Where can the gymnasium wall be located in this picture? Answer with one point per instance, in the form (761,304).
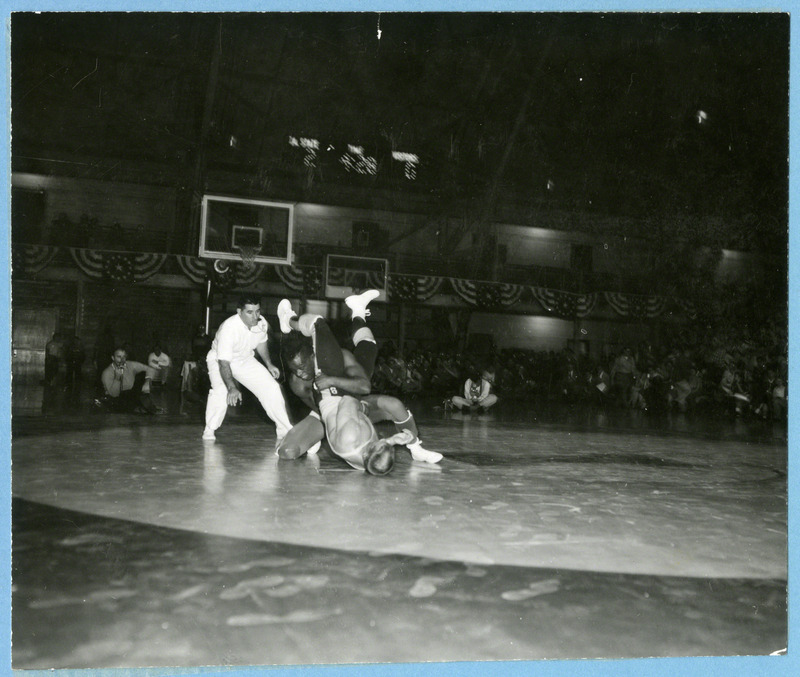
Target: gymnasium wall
(148,215)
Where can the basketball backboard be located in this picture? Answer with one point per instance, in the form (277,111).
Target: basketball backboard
(346,275)
(239,228)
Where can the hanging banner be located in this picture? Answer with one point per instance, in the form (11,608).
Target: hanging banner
(244,278)
(147,265)
(307,280)
(291,276)
(312,282)
(413,288)
(487,294)
(199,270)
(559,303)
(131,267)
(402,288)
(194,268)
(565,304)
(90,261)
(31,258)
(466,289)
(636,305)
(585,304)
(427,286)
(509,294)
(127,267)
(118,267)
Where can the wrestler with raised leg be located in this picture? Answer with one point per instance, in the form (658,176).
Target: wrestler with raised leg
(353,380)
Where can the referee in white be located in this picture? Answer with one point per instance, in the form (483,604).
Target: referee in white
(231,361)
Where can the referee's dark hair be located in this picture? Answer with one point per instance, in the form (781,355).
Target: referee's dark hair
(248,298)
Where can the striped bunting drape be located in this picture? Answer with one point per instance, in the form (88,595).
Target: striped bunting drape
(32,258)
(636,305)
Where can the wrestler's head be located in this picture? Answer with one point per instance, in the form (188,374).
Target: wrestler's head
(298,355)
(357,442)
(379,457)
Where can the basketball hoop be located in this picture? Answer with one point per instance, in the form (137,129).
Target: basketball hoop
(248,255)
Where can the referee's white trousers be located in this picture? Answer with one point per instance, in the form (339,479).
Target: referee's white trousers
(256,378)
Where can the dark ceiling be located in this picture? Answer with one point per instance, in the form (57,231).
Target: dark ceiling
(620,114)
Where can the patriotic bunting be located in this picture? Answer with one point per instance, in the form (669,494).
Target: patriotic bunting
(559,303)
(565,304)
(635,305)
(487,294)
(312,282)
(413,287)
(32,258)
(306,280)
(465,289)
(509,294)
(90,261)
(131,267)
(244,278)
(118,267)
(147,265)
(291,276)
(428,286)
(194,268)
(124,267)
(402,288)
(200,270)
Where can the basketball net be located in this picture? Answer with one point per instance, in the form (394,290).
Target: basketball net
(248,255)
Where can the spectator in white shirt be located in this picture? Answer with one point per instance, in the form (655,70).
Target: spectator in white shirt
(160,363)
(477,394)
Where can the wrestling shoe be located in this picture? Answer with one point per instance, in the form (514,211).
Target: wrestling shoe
(208,434)
(358,302)
(285,313)
(420,454)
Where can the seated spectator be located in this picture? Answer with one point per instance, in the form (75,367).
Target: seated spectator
(622,375)
(600,382)
(160,364)
(640,385)
(731,390)
(53,356)
(571,386)
(779,399)
(395,372)
(122,384)
(412,379)
(477,395)
(763,395)
(381,381)
(684,380)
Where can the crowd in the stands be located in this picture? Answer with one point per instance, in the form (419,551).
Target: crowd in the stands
(727,375)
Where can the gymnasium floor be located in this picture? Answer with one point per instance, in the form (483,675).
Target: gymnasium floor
(542,535)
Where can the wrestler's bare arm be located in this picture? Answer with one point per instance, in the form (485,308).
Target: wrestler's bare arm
(355,381)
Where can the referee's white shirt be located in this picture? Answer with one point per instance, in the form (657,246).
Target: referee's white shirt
(235,342)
